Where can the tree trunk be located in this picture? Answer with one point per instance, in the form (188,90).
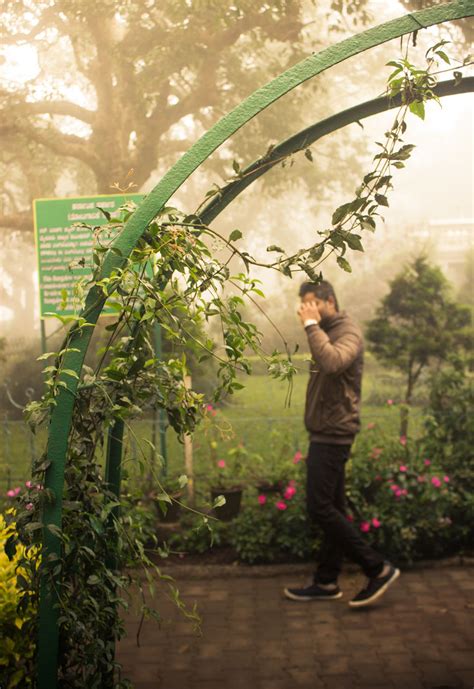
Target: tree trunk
(405,408)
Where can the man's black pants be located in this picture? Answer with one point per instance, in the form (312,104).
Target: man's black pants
(325,494)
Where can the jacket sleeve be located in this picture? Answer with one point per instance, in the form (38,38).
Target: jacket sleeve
(333,357)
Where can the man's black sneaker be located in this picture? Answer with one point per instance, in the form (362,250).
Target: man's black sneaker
(313,592)
(375,588)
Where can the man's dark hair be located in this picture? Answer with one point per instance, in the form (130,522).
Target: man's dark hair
(323,290)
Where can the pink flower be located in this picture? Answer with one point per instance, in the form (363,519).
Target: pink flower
(297,457)
(209,407)
(292,482)
(403,491)
(370,426)
(364,526)
(378,477)
(421,478)
(398,493)
(426,462)
(280,505)
(28,484)
(389,402)
(402,467)
(349,517)
(262,499)
(394,487)
(403,440)
(29,506)
(289,492)
(221,463)
(446,479)
(436,482)
(376,523)
(13,492)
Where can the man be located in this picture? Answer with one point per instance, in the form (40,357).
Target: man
(332,420)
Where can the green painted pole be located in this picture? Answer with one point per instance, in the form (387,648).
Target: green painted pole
(159,417)
(61,417)
(43,335)
(113,477)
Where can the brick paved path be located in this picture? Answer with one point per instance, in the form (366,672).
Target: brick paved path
(419,636)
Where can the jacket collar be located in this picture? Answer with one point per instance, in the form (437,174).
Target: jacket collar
(330,321)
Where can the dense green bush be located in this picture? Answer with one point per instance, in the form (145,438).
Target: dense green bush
(449,440)
(274,528)
(400,496)
(198,534)
(17,611)
(401,499)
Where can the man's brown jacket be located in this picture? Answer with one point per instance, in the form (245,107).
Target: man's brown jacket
(334,387)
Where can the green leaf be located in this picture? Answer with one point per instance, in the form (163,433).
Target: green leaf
(457,78)
(54,529)
(235,235)
(345,265)
(183,480)
(368,224)
(274,247)
(93,579)
(308,154)
(381,200)
(219,501)
(340,213)
(443,56)
(33,526)
(46,355)
(236,167)
(70,372)
(354,242)
(316,252)
(418,109)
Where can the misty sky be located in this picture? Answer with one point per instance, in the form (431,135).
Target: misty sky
(436,184)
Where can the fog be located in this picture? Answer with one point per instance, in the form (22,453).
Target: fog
(431,205)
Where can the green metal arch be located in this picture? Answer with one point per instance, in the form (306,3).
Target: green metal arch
(307,136)
(61,418)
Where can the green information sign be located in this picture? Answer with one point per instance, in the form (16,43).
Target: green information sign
(64,245)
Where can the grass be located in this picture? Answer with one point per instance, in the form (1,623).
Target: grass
(257,415)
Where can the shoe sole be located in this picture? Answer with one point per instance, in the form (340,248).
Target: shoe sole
(380,592)
(292,596)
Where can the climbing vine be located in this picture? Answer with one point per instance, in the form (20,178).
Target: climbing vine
(177,275)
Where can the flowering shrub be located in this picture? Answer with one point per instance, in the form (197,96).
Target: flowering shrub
(275,529)
(17,611)
(401,499)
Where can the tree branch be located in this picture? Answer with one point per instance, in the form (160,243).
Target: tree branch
(67,145)
(65,108)
(17,221)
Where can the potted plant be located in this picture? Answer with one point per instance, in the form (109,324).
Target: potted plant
(168,499)
(273,473)
(226,481)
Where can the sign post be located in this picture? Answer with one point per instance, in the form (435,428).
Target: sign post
(64,246)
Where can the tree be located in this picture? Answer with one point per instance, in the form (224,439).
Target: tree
(417,324)
(123,87)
